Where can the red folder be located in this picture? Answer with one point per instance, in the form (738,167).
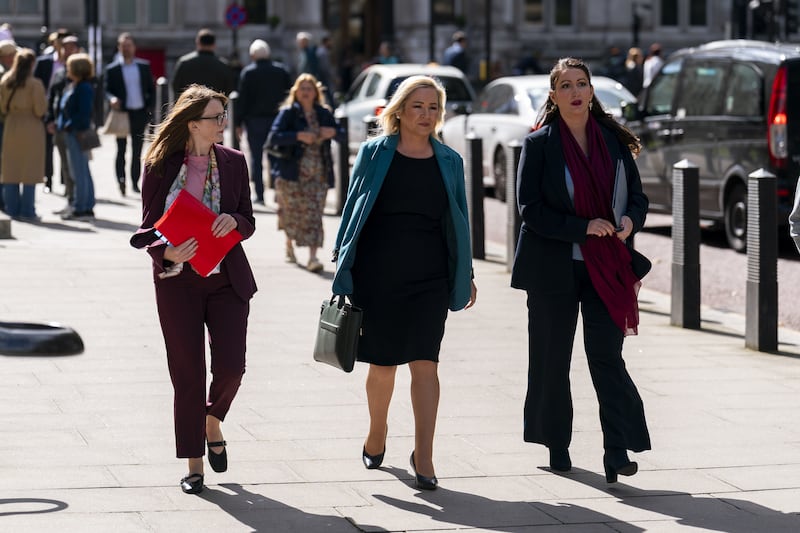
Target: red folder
(189,217)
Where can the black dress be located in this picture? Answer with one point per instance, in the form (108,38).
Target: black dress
(400,275)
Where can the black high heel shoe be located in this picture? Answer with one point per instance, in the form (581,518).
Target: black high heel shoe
(616,462)
(560,460)
(371,462)
(423,482)
(192,484)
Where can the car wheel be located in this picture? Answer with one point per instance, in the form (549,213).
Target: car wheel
(736,218)
(499,167)
(20,338)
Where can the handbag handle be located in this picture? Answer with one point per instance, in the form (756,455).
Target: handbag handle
(342,300)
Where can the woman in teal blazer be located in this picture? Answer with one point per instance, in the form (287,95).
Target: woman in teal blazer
(403,255)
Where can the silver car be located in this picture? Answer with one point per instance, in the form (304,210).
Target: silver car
(506,111)
(374,86)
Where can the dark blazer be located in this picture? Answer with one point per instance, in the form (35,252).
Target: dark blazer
(263,85)
(287,124)
(115,83)
(234,200)
(543,261)
(205,68)
(44,69)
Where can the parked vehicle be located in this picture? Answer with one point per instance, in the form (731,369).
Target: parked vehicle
(506,111)
(375,85)
(730,108)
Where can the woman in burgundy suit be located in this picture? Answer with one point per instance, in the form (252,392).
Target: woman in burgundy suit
(184,154)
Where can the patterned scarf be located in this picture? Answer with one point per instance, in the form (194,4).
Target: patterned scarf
(211,197)
(607,259)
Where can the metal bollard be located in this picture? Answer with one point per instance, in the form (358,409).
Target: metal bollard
(474,187)
(233,110)
(343,183)
(685,300)
(513,152)
(761,315)
(162,100)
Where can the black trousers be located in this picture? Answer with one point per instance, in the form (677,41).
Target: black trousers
(138,120)
(552,320)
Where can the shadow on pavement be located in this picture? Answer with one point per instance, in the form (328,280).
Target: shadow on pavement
(263,514)
(470,510)
(706,512)
(30,506)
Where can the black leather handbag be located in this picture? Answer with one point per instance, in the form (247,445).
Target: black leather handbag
(640,263)
(337,333)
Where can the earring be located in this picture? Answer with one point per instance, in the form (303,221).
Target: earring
(591,105)
(555,105)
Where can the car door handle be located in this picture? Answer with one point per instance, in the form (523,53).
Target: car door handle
(664,133)
(677,133)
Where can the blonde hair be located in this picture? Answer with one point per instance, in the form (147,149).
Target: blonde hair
(80,65)
(389,122)
(173,133)
(303,78)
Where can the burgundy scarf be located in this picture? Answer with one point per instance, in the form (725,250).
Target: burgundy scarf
(607,259)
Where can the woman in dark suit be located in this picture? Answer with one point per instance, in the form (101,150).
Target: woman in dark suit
(573,253)
(184,155)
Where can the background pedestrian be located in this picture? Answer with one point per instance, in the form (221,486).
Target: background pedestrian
(303,178)
(203,67)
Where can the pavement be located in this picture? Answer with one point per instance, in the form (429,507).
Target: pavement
(86,441)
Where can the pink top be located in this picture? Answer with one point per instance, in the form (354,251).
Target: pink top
(196,173)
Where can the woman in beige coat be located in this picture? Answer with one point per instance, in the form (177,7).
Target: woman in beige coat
(23,101)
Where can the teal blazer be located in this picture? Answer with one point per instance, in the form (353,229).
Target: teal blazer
(369,171)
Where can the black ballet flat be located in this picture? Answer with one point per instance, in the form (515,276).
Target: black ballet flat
(371,462)
(560,460)
(616,462)
(218,461)
(192,484)
(423,482)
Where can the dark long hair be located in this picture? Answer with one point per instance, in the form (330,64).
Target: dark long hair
(173,134)
(550,112)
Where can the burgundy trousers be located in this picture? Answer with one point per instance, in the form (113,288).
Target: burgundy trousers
(188,304)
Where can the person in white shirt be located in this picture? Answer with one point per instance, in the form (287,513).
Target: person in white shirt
(652,64)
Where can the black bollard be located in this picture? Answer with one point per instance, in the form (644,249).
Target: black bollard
(685,306)
(343,183)
(513,152)
(474,185)
(162,100)
(761,315)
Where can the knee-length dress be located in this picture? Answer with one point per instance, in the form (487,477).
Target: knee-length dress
(400,273)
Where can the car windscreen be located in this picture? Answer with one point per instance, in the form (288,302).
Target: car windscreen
(455,88)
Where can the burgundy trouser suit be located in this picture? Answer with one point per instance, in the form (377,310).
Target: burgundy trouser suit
(187,305)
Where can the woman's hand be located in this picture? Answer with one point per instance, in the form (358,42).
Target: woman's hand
(223,225)
(181,253)
(306,137)
(600,227)
(473,295)
(326,132)
(627,228)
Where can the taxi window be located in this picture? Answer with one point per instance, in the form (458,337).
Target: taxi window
(662,90)
(702,89)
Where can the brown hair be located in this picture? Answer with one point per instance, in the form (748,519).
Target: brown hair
(550,112)
(173,133)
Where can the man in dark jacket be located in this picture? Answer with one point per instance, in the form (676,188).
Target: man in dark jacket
(130,88)
(203,67)
(263,85)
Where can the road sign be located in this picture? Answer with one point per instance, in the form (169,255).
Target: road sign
(235,16)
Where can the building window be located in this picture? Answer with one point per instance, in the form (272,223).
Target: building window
(534,12)
(563,12)
(126,12)
(19,7)
(158,12)
(697,13)
(256,11)
(669,12)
